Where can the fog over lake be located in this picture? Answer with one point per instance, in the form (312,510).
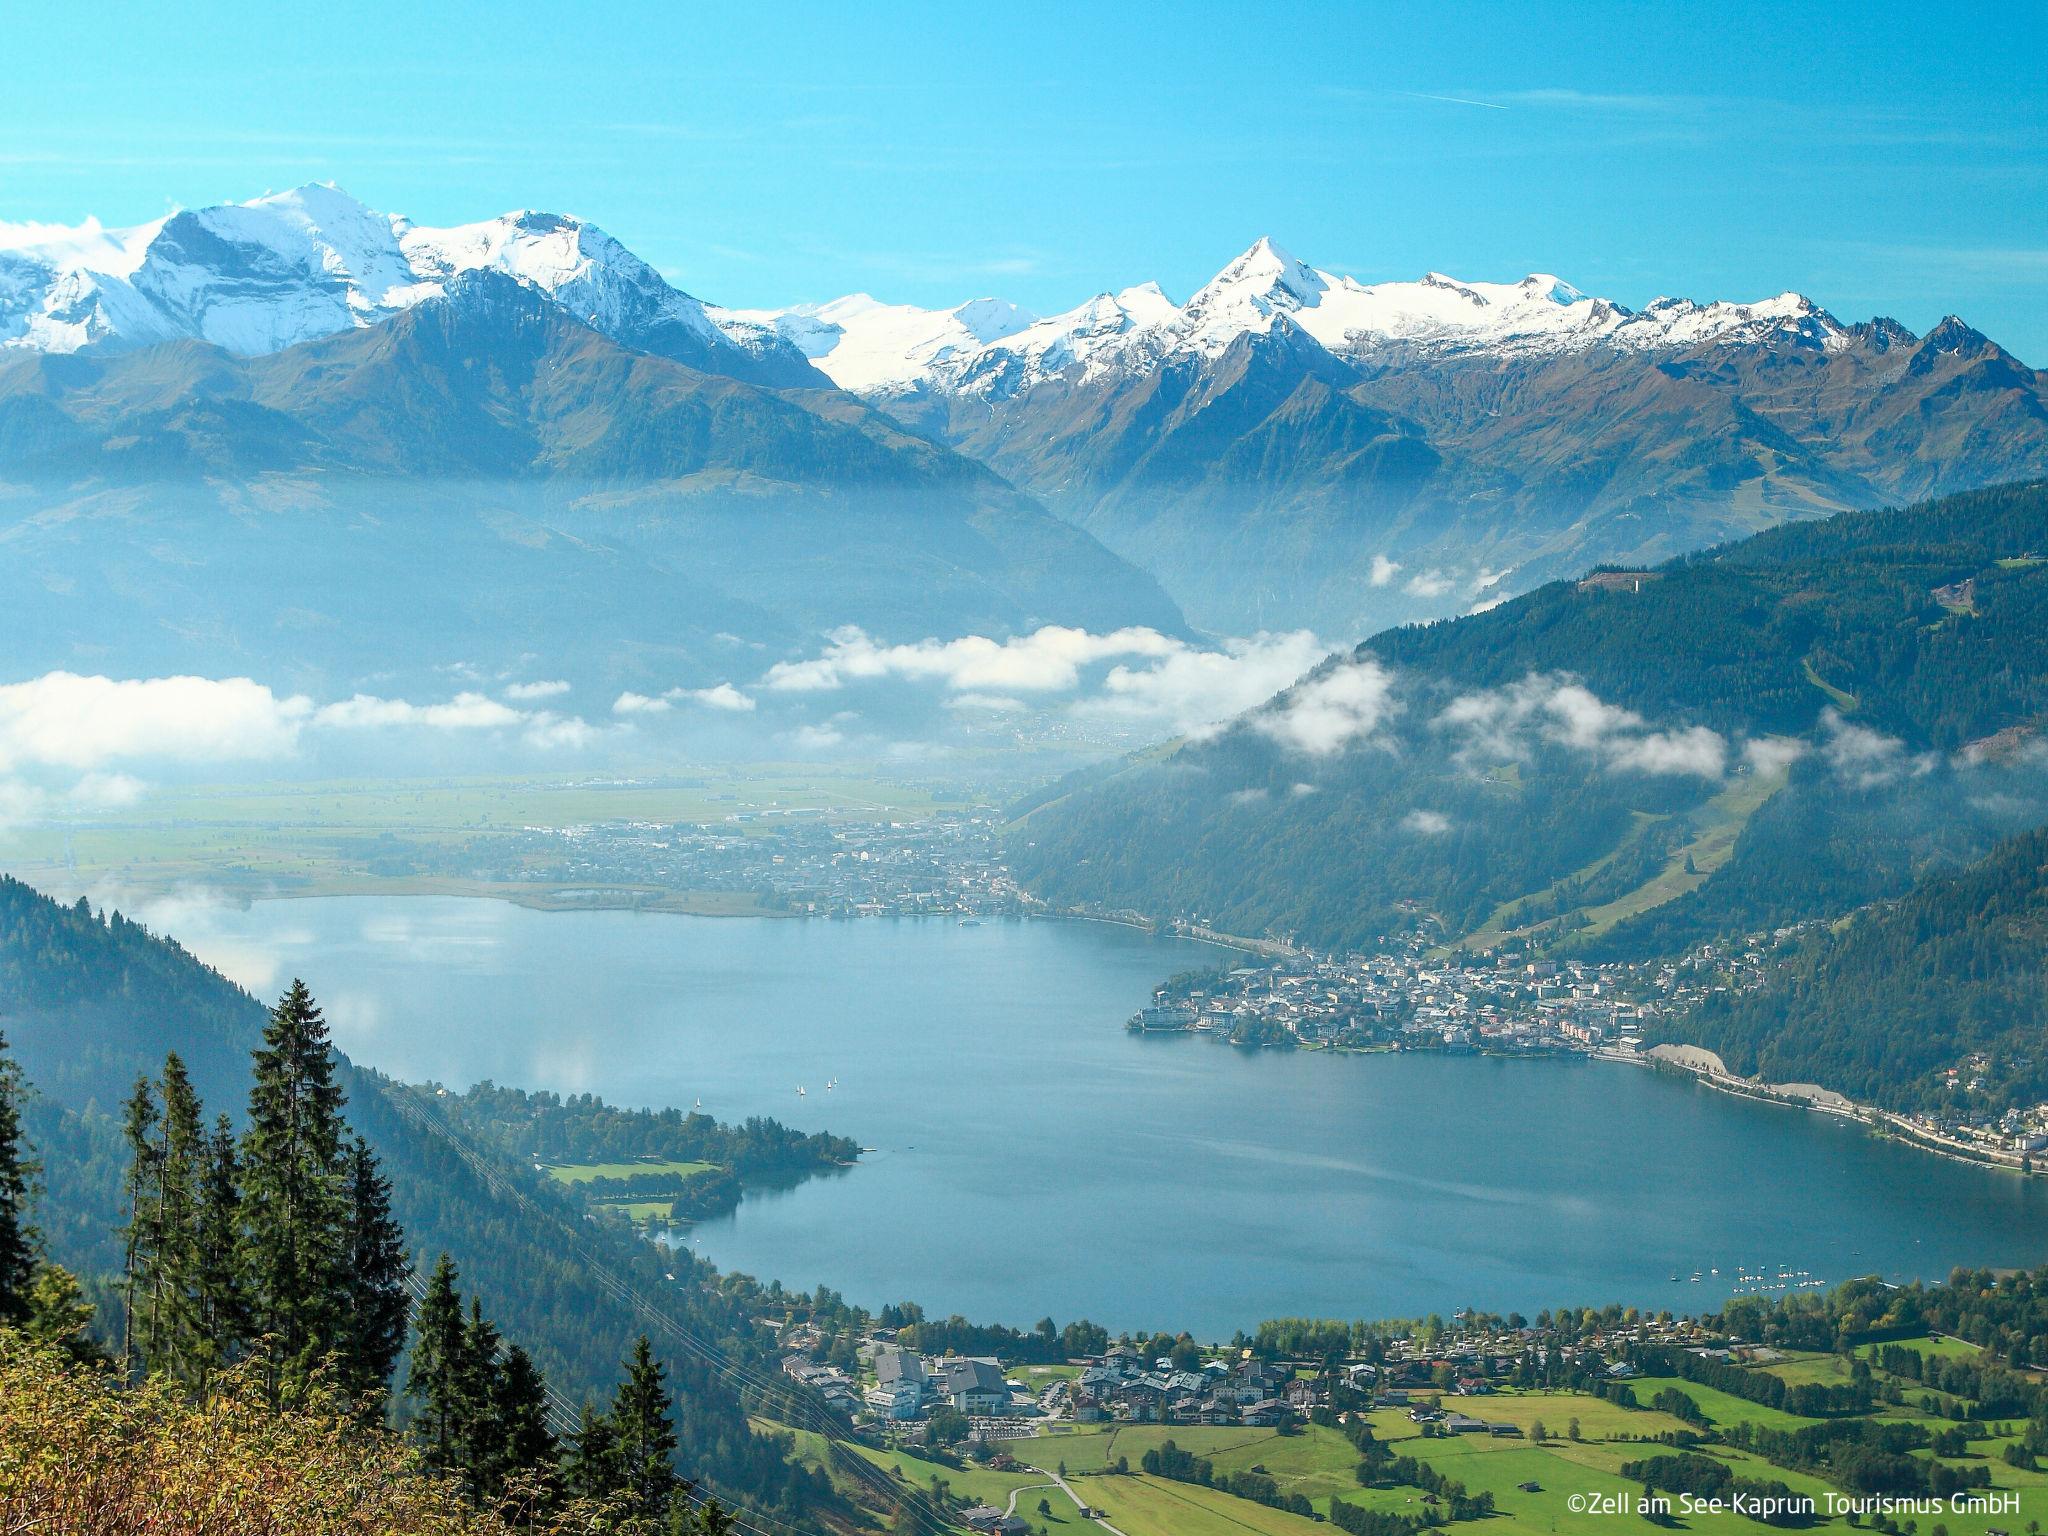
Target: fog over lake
(1031,1158)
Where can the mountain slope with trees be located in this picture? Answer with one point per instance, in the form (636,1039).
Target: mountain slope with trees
(1930,1004)
(90,1004)
(1789,726)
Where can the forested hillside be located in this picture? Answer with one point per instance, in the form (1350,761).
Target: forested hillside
(1629,763)
(1935,1003)
(91,1004)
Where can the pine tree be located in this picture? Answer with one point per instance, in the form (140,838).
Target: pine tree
(594,1470)
(294,1196)
(142,1234)
(521,1414)
(646,1436)
(434,1378)
(178,1339)
(377,1270)
(479,1446)
(217,1262)
(17,1237)
(60,1317)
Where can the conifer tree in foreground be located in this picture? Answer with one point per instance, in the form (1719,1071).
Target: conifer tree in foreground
(217,1285)
(521,1412)
(138,1123)
(376,1303)
(17,1239)
(295,1231)
(180,1344)
(433,1380)
(183,1296)
(43,1300)
(482,1408)
(593,1469)
(645,1436)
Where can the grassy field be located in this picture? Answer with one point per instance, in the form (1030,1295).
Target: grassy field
(1320,1464)
(1152,1506)
(1944,1348)
(1720,1407)
(1715,827)
(583,1173)
(1844,701)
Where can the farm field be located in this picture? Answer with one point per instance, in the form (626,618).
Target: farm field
(1532,1482)
(583,1173)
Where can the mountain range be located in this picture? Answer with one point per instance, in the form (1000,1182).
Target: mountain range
(1289,447)
(516,458)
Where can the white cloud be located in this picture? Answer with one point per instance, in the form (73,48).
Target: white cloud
(1430,583)
(718,696)
(721,696)
(1426,823)
(63,720)
(464,712)
(1695,750)
(1864,758)
(1247,796)
(1488,604)
(1500,724)
(1188,690)
(816,738)
(630,703)
(1772,755)
(105,791)
(95,727)
(550,732)
(1332,709)
(1384,570)
(1047,660)
(1151,678)
(528,692)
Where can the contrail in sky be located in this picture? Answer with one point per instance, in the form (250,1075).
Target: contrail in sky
(1461,101)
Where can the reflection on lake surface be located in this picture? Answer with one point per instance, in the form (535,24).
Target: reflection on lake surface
(1033,1159)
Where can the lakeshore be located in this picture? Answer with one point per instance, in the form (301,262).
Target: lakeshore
(1032,1157)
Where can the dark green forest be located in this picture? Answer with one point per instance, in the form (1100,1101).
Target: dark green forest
(1880,1010)
(1902,655)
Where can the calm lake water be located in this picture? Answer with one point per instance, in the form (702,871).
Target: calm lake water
(1031,1159)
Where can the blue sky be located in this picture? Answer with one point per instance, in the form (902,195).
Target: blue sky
(1885,158)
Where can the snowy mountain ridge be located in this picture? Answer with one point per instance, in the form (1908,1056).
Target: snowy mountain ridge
(260,276)
(873,348)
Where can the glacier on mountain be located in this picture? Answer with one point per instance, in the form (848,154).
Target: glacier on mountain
(875,348)
(260,276)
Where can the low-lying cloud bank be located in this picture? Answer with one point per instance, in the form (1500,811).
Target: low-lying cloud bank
(98,728)
(1504,724)
(1360,703)
(1139,676)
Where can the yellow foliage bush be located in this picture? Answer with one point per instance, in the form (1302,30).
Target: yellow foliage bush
(83,1456)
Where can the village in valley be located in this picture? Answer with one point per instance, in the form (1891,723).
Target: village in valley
(910,1398)
(1394,1427)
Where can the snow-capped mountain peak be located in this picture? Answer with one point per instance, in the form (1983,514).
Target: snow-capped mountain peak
(870,347)
(882,349)
(290,266)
